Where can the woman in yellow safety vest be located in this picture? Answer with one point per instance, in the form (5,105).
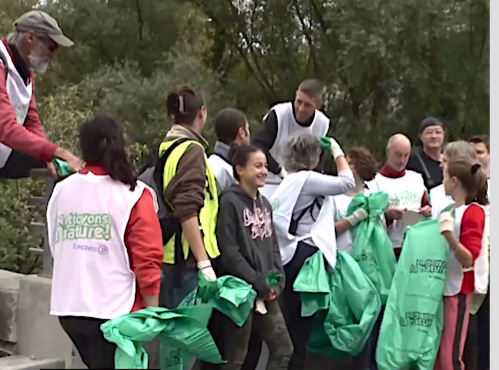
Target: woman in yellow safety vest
(189,188)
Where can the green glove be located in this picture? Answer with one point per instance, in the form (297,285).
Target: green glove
(330,145)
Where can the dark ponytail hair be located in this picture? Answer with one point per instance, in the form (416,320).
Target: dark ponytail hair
(472,178)
(102,142)
(183,104)
(239,155)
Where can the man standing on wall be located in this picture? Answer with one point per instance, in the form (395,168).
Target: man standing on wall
(285,119)
(27,50)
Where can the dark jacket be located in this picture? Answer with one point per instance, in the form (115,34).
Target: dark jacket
(246,240)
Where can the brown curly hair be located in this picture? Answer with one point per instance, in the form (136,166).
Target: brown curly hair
(364,162)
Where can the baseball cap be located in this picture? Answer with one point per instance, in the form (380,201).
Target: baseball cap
(430,121)
(42,24)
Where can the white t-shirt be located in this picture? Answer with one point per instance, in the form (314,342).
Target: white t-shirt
(344,241)
(406,192)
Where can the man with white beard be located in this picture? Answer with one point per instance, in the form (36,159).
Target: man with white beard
(26,51)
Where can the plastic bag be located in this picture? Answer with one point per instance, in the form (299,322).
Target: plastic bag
(413,320)
(345,302)
(184,329)
(231,296)
(372,247)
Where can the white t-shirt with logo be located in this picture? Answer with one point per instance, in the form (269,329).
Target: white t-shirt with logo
(406,192)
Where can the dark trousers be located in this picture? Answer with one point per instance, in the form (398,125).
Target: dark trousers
(484,334)
(477,348)
(300,328)
(95,351)
(19,166)
(216,328)
(271,327)
(254,351)
(366,360)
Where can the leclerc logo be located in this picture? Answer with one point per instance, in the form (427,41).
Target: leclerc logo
(102,249)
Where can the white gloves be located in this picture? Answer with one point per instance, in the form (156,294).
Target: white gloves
(207,270)
(260,307)
(356,217)
(446,222)
(332,146)
(336,149)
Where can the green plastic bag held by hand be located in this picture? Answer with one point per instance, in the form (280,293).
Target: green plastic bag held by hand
(372,248)
(413,319)
(230,295)
(183,333)
(62,168)
(326,144)
(273,278)
(345,302)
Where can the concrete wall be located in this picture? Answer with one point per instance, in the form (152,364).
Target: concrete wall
(26,327)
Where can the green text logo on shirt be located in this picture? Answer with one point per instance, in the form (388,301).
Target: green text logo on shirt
(404,198)
(77,226)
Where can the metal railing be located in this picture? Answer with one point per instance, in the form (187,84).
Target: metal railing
(40,228)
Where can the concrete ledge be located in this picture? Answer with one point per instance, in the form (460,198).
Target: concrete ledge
(9,299)
(26,363)
(39,334)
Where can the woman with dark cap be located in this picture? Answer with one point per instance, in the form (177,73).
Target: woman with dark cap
(427,160)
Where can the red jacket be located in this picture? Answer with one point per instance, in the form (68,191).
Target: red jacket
(29,139)
(144,243)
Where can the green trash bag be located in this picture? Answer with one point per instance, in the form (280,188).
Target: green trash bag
(345,302)
(413,319)
(184,329)
(230,295)
(372,248)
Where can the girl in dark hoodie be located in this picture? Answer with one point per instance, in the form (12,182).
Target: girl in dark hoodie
(249,250)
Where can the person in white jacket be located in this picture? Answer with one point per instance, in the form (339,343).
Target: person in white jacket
(303,219)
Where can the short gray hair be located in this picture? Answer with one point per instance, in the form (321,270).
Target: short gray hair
(16,38)
(299,152)
(460,148)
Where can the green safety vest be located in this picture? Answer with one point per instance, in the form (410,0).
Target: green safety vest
(208,214)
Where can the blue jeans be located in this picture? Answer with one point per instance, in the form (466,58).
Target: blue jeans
(170,296)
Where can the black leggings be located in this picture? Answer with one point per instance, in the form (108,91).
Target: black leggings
(95,351)
(299,327)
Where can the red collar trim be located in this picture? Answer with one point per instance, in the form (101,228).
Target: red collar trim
(95,169)
(388,171)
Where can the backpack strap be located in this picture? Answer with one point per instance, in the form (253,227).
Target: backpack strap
(293,226)
(223,158)
(425,169)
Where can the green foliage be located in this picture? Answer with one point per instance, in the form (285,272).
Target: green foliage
(386,65)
